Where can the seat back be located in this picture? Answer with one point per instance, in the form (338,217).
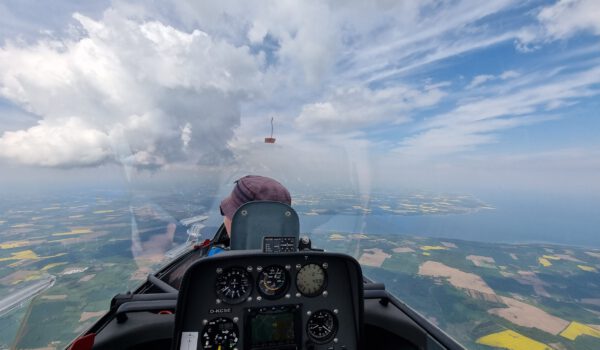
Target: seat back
(258,219)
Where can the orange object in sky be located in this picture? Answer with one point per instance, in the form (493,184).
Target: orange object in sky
(270,139)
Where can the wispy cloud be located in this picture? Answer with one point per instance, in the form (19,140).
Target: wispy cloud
(483,78)
(560,21)
(461,136)
(567,17)
(354,108)
(477,120)
(480,79)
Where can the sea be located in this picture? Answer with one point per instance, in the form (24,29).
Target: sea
(552,219)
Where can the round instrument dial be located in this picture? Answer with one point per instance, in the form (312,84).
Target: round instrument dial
(219,333)
(234,285)
(322,326)
(311,280)
(273,281)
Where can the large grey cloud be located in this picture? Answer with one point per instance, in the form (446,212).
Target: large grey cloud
(138,92)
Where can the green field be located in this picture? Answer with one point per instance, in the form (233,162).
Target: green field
(557,292)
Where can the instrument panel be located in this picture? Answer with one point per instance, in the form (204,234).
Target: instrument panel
(303,300)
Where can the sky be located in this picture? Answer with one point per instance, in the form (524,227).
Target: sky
(461,94)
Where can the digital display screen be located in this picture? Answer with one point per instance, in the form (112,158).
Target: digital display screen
(272,329)
(226,326)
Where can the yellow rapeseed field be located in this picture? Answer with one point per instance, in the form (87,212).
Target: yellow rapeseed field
(512,340)
(433,247)
(22,255)
(13,244)
(51,208)
(575,329)
(103,211)
(551,257)
(75,231)
(587,268)
(52,265)
(27,255)
(545,262)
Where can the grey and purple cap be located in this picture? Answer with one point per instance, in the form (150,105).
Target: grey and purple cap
(254,188)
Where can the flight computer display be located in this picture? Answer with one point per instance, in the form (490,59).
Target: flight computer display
(276,327)
(279,244)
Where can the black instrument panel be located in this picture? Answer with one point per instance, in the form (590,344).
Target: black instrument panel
(252,300)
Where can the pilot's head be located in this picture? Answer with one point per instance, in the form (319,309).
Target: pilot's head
(252,188)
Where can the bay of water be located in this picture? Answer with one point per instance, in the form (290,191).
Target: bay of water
(538,219)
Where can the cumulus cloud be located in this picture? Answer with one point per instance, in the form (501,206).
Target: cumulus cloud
(161,94)
(57,143)
(20,20)
(143,93)
(308,34)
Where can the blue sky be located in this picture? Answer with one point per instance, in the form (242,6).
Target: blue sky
(425,93)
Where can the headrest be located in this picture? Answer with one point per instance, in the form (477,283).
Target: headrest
(258,219)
